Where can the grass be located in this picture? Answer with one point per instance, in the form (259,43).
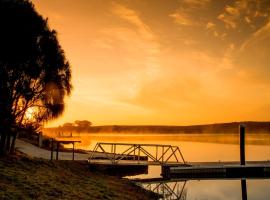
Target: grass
(26,178)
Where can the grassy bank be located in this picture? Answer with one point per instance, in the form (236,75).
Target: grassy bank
(25,178)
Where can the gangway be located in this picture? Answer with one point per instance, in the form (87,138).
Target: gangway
(136,154)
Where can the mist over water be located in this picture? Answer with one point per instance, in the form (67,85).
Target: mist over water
(195,147)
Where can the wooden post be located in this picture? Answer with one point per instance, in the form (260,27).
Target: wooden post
(139,152)
(242,144)
(57,150)
(114,153)
(52,149)
(134,152)
(73,152)
(156,153)
(162,153)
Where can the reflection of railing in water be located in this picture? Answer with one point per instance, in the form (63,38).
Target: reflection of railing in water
(136,154)
(168,190)
(175,189)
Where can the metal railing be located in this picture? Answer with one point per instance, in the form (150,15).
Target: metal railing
(150,153)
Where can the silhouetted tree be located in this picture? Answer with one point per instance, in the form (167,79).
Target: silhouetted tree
(67,127)
(82,125)
(34,73)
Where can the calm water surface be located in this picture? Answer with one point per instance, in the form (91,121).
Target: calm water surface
(196,148)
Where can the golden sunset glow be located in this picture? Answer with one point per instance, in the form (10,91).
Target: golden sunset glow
(164,62)
(29,114)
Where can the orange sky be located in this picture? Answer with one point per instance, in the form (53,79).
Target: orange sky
(164,62)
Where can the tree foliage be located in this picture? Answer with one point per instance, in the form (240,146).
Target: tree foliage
(78,126)
(34,73)
(83,123)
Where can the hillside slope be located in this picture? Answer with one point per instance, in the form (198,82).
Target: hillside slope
(25,178)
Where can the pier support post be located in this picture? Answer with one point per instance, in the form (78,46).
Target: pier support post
(242,144)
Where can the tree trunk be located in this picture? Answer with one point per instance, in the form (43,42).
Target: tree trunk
(12,148)
(3,144)
(2,130)
(6,132)
(7,148)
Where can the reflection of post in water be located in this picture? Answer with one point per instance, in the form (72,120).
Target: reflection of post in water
(168,190)
(243,160)
(242,144)
(244,189)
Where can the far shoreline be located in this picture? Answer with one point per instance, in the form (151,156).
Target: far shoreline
(218,128)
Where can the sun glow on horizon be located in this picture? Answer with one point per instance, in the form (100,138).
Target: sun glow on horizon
(30,114)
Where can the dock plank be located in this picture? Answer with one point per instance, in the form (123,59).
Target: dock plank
(218,170)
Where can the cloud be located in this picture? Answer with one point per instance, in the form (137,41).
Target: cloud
(254,55)
(242,10)
(184,82)
(196,3)
(247,19)
(260,34)
(181,19)
(185,88)
(210,25)
(144,42)
(230,21)
(184,14)
(233,11)
(140,62)
(133,18)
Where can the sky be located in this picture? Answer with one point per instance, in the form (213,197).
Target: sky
(164,62)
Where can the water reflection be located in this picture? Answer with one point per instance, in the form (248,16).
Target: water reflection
(167,189)
(244,189)
(218,189)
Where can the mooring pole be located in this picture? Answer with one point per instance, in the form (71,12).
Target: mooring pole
(242,144)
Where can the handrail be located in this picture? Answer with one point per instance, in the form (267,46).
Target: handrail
(162,154)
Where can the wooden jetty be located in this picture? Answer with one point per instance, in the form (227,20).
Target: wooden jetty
(133,158)
(172,161)
(135,154)
(170,158)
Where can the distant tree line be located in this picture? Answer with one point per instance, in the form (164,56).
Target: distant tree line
(76,126)
(219,128)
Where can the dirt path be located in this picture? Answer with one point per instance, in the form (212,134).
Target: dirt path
(37,152)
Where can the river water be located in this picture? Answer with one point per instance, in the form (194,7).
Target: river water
(198,148)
